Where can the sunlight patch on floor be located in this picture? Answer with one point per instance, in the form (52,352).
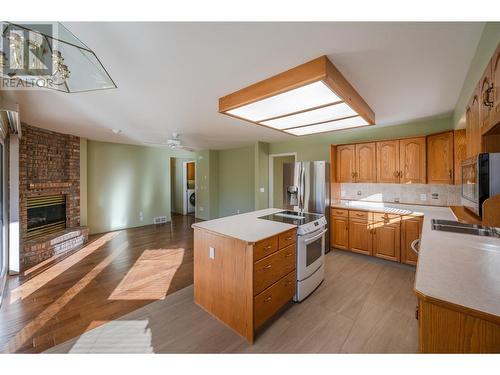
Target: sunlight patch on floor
(46,315)
(117,336)
(150,276)
(50,274)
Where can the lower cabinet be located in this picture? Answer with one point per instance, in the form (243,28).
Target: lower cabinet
(360,233)
(411,228)
(386,240)
(386,236)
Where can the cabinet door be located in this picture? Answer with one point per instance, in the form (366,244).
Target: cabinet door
(366,168)
(345,163)
(472,127)
(485,106)
(495,80)
(440,158)
(360,236)
(388,161)
(411,229)
(340,232)
(460,152)
(387,240)
(412,161)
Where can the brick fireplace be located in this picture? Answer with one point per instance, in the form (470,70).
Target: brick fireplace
(49,187)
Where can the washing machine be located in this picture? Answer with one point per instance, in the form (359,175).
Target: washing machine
(190,200)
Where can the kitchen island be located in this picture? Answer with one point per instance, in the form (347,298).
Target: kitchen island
(244,269)
(457,282)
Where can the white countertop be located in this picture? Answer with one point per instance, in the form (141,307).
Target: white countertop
(246,227)
(453,267)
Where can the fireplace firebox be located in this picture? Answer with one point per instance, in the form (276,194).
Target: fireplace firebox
(46,215)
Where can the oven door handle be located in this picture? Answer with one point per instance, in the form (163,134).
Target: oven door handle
(311,240)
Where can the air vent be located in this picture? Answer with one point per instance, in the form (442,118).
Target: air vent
(160,220)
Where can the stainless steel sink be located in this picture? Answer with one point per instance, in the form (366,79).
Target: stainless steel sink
(456,227)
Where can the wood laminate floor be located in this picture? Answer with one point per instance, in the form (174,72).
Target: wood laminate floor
(365,305)
(114,274)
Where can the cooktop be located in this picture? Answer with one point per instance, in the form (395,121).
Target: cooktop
(292,217)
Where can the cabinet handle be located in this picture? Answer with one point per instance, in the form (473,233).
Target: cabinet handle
(288,239)
(268,299)
(416,312)
(396,173)
(487,100)
(288,255)
(352,174)
(267,247)
(450,173)
(267,267)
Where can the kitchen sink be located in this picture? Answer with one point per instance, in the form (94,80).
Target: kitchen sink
(457,227)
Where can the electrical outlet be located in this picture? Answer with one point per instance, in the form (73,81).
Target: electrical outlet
(262,190)
(141,216)
(396,200)
(359,192)
(211,254)
(237,211)
(423,197)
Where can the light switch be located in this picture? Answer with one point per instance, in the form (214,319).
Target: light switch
(211,254)
(423,197)
(262,190)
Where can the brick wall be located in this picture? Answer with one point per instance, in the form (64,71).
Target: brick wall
(49,164)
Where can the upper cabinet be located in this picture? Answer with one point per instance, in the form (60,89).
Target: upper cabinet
(412,159)
(440,158)
(495,81)
(345,163)
(472,126)
(388,161)
(401,161)
(366,169)
(485,101)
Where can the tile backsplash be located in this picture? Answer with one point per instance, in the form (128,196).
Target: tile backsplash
(434,195)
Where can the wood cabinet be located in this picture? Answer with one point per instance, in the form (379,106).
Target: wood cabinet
(365,161)
(412,160)
(388,161)
(339,229)
(485,91)
(472,126)
(244,284)
(495,81)
(440,158)
(460,153)
(360,232)
(386,239)
(345,163)
(411,229)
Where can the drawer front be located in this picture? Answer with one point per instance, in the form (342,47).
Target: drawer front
(267,303)
(272,268)
(339,212)
(287,238)
(359,215)
(265,247)
(386,218)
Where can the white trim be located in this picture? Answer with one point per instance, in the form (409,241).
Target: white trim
(184,185)
(271,173)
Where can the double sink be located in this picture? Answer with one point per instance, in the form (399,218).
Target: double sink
(457,227)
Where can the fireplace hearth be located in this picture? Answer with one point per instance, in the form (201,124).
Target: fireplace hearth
(46,214)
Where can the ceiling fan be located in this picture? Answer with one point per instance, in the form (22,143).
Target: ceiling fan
(173,143)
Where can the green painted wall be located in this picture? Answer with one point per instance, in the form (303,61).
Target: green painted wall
(261,164)
(317,147)
(485,49)
(236,182)
(207,176)
(83,182)
(177,190)
(278,162)
(123,180)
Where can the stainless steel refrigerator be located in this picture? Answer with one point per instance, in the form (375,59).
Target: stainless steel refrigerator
(306,187)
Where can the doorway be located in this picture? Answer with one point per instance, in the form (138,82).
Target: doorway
(182,183)
(189,183)
(276,162)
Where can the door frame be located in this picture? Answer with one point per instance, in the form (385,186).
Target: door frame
(5,222)
(271,173)
(184,186)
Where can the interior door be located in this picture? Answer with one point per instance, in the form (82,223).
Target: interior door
(388,161)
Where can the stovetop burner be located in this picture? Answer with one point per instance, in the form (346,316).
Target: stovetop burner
(292,217)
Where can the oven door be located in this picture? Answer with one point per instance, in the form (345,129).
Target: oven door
(310,253)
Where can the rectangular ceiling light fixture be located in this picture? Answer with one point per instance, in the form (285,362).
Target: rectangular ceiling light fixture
(311,98)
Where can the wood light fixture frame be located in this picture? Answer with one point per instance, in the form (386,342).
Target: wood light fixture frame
(319,69)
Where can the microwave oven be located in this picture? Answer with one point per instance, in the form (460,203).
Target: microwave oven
(480,180)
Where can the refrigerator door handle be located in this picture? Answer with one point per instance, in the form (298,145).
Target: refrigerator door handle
(302,188)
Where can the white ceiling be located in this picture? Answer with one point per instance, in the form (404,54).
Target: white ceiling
(170,75)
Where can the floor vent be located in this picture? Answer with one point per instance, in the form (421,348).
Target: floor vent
(160,220)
